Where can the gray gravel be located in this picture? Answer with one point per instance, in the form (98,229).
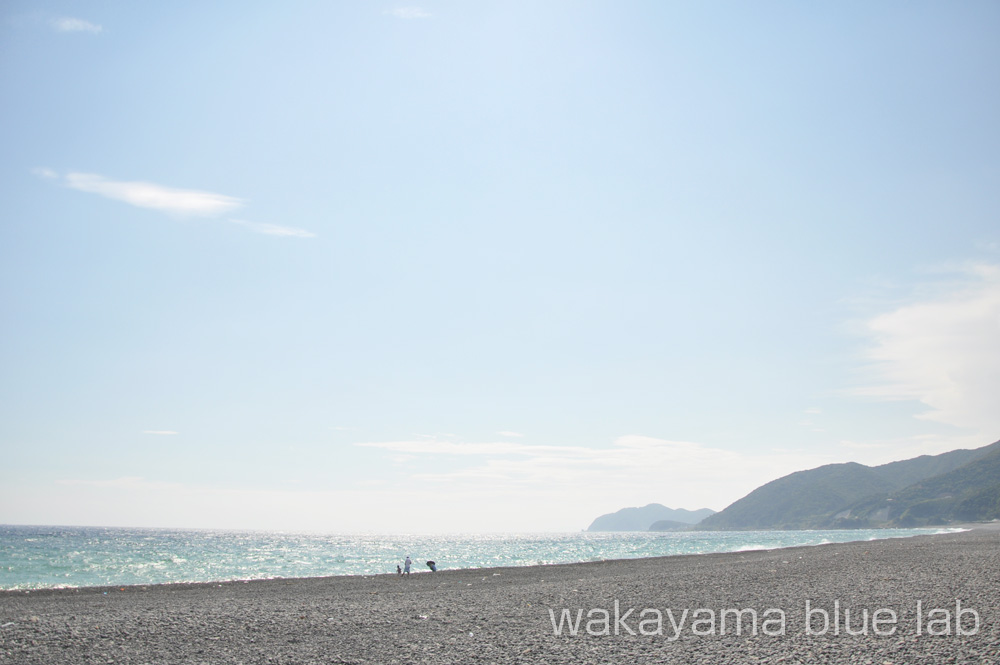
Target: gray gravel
(502,615)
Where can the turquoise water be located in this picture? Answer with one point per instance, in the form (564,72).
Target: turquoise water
(34,557)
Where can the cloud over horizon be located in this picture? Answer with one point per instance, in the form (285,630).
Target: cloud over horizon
(635,468)
(509,485)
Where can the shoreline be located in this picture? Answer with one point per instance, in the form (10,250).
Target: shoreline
(943,530)
(508,615)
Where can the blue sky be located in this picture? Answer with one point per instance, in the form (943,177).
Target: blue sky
(486,266)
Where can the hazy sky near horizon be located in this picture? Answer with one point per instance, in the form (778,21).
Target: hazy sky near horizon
(453,266)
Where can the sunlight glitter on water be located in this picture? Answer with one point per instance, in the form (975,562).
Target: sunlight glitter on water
(42,557)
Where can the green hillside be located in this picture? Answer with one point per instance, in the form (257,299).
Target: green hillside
(930,489)
(968,493)
(906,472)
(795,501)
(640,519)
(668,525)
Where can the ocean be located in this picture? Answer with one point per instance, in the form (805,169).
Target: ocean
(38,557)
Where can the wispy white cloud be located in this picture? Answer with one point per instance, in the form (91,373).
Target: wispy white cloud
(139,501)
(408,12)
(48,174)
(439,447)
(943,351)
(159,432)
(69,24)
(502,486)
(274,229)
(123,482)
(157,197)
(633,469)
(169,200)
(515,435)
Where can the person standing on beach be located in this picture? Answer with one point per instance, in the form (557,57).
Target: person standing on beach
(406,565)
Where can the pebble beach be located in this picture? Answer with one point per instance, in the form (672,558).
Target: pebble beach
(927,599)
